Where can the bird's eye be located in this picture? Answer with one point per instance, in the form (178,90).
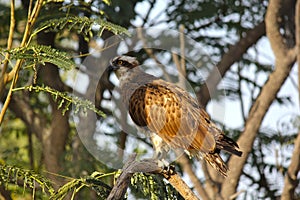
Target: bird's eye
(120,62)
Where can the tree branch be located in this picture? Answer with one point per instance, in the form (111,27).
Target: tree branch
(54,138)
(5,193)
(147,166)
(297,22)
(183,160)
(187,168)
(35,122)
(285,59)
(14,73)
(177,182)
(290,180)
(234,54)
(3,77)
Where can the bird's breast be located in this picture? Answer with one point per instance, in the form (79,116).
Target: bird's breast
(170,115)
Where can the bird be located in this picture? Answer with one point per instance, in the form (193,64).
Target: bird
(171,114)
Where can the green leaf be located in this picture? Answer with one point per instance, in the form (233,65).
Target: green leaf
(39,54)
(11,174)
(65,100)
(82,25)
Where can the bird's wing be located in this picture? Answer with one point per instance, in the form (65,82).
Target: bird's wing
(173,114)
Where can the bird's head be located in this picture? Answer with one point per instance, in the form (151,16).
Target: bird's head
(122,64)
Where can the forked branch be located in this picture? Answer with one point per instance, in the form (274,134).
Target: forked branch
(285,58)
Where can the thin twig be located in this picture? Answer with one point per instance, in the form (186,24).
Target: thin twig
(145,20)
(10,36)
(240,92)
(150,53)
(181,66)
(183,160)
(235,195)
(182,50)
(15,72)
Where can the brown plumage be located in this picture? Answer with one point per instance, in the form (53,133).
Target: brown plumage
(170,112)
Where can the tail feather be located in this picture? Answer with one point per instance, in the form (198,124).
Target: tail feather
(223,142)
(216,162)
(227,144)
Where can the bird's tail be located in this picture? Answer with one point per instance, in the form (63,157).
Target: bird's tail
(215,160)
(227,144)
(223,142)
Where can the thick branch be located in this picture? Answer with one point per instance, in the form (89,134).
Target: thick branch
(297,22)
(35,122)
(5,193)
(290,180)
(257,113)
(234,54)
(147,166)
(187,168)
(177,182)
(273,19)
(284,61)
(55,137)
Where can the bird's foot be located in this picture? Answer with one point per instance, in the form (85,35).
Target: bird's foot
(162,163)
(168,171)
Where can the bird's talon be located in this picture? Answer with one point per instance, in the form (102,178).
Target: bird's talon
(163,108)
(169,171)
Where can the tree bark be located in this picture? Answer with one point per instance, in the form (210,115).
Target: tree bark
(285,59)
(55,136)
(20,106)
(297,35)
(290,180)
(148,166)
(5,193)
(187,168)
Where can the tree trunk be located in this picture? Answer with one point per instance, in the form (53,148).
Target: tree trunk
(285,58)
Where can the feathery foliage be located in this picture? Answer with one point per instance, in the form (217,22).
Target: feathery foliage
(83,26)
(93,181)
(39,54)
(29,179)
(64,99)
(153,187)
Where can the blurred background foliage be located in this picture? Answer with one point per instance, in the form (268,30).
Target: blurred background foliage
(78,28)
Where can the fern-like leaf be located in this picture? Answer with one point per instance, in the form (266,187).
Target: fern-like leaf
(153,186)
(93,181)
(82,25)
(40,54)
(30,179)
(65,100)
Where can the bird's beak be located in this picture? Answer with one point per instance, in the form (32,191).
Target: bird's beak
(112,68)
